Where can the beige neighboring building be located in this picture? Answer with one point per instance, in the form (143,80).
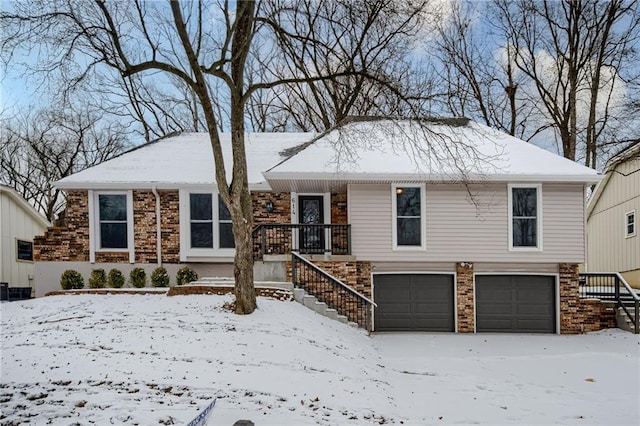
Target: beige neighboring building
(613,238)
(19,223)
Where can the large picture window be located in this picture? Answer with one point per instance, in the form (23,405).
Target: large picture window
(408,216)
(202,221)
(524,205)
(112,218)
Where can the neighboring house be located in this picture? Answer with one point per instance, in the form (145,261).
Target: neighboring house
(19,223)
(447,225)
(613,238)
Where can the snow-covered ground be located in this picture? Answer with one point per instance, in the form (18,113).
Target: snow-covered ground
(152,359)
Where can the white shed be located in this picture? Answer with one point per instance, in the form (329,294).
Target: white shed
(19,223)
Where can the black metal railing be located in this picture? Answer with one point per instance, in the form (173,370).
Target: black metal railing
(612,286)
(285,238)
(330,290)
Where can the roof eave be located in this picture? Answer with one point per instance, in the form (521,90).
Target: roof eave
(413,177)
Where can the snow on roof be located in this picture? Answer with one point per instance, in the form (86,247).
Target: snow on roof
(426,149)
(186,159)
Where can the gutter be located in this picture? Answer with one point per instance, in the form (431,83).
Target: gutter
(158,226)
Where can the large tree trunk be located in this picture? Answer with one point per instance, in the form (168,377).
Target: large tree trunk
(243,263)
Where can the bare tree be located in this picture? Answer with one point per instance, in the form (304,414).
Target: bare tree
(379,36)
(37,149)
(481,79)
(201,44)
(577,55)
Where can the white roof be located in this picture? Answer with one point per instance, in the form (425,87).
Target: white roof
(425,150)
(186,159)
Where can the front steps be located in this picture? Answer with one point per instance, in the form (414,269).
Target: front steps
(311,302)
(623,321)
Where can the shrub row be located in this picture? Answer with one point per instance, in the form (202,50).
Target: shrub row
(72,279)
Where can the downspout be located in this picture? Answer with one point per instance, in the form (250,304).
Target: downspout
(158,226)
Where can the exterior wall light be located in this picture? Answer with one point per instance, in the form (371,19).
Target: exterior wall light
(268,206)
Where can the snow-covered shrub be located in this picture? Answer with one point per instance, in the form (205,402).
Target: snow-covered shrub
(186,275)
(98,278)
(160,277)
(115,278)
(71,279)
(138,278)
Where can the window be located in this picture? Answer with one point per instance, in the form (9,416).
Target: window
(112,219)
(225,228)
(24,250)
(202,223)
(524,213)
(630,224)
(201,210)
(408,227)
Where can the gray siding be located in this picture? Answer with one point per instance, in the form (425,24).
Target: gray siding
(608,248)
(463,227)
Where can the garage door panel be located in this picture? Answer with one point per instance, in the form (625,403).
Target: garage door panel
(418,302)
(515,303)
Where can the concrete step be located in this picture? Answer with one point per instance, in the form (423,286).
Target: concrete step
(331,313)
(343,319)
(321,308)
(298,294)
(309,301)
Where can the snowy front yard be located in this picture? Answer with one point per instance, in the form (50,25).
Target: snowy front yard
(154,359)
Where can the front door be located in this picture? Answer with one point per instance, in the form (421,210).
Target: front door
(311,212)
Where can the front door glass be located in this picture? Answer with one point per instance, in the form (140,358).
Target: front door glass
(311,212)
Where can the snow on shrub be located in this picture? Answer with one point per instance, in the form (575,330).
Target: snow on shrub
(160,277)
(71,279)
(138,278)
(186,275)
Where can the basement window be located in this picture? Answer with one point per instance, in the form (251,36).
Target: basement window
(24,250)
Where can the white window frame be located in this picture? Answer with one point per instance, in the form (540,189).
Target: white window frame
(627,234)
(394,218)
(94,225)
(188,253)
(539,228)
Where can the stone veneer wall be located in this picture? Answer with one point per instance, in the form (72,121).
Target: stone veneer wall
(580,315)
(69,242)
(465,300)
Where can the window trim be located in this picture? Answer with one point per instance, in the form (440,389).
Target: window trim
(394,218)
(188,253)
(19,240)
(94,225)
(539,228)
(626,224)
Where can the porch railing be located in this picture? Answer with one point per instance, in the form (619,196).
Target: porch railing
(330,290)
(285,238)
(613,287)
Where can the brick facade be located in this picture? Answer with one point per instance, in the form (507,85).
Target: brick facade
(579,315)
(465,301)
(339,208)
(355,274)
(71,241)
(281,207)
